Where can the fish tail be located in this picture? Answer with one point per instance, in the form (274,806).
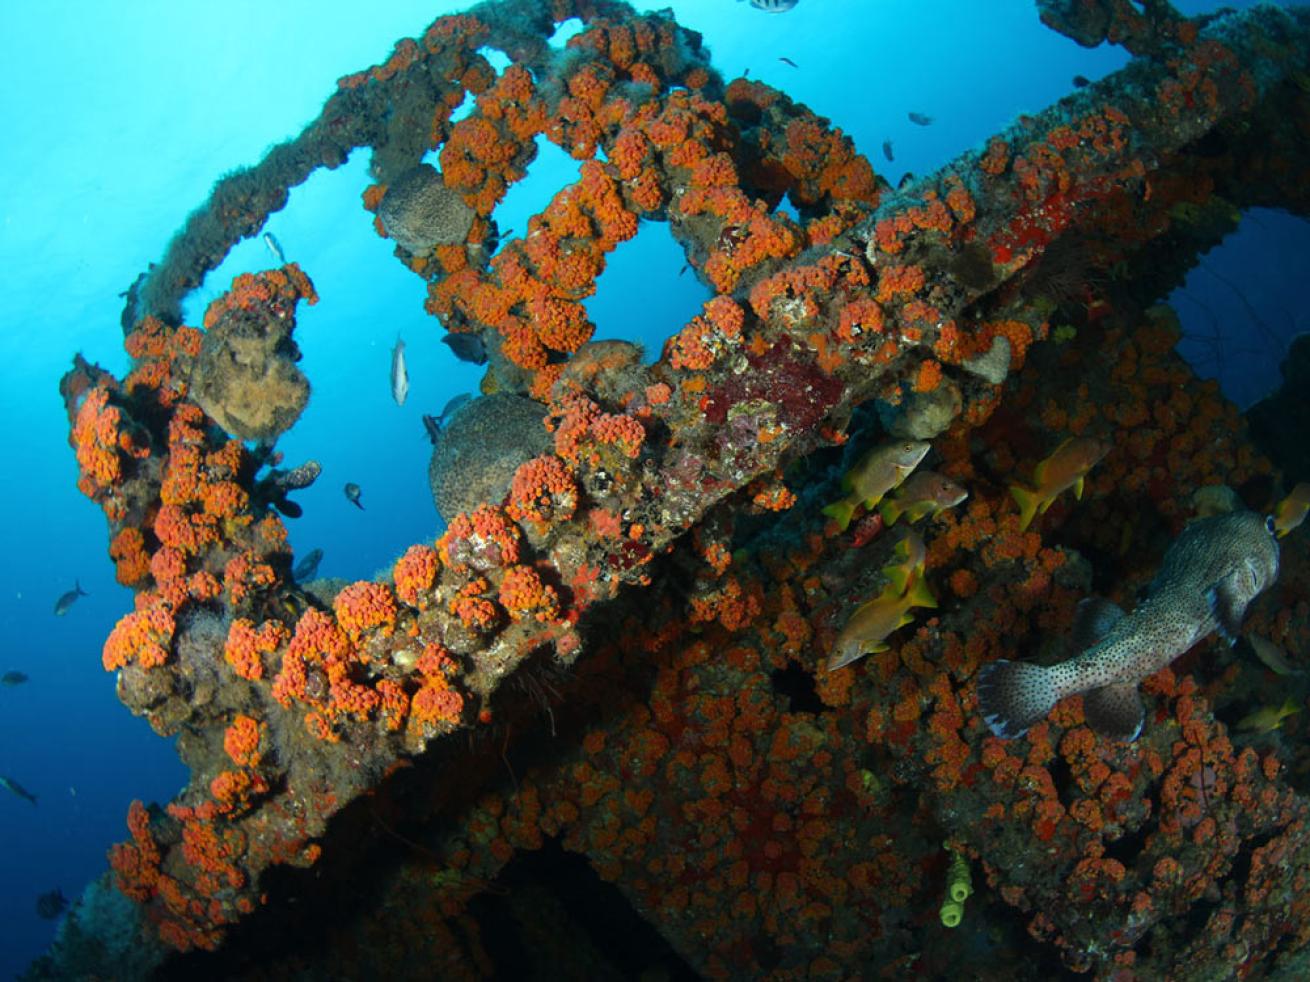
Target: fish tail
(1012,696)
(1029,501)
(890,512)
(78,587)
(840,512)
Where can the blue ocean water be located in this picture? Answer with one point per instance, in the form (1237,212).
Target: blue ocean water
(122,118)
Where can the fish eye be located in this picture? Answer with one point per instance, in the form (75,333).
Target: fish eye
(1269,524)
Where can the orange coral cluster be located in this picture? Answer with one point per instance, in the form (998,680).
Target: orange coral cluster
(364,607)
(247,645)
(322,669)
(161,357)
(584,432)
(415,573)
(542,491)
(141,638)
(103,442)
(277,290)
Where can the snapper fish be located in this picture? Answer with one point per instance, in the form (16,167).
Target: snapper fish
(1065,468)
(773,6)
(924,494)
(1269,718)
(399,373)
(867,629)
(1208,578)
(1291,511)
(873,475)
(1272,656)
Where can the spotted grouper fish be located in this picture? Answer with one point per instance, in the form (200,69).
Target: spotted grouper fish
(1209,576)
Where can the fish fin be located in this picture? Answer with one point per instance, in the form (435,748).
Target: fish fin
(890,512)
(1078,488)
(78,587)
(872,503)
(1227,606)
(1115,711)
(1012,696)
(1092,621)
(840,512)
(921,510)
(919,595)
(1028,501)
(899,577)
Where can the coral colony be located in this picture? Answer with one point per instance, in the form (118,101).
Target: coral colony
(617,649)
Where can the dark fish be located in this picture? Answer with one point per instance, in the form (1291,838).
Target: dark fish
(12,678)
(774,6)
(685,267)
(68,599)
(887,150)
(788,61)
(352,494)
(307,568)
(1081,81)
(467,347)
(12,786)
(51,905)
(1209,577)
(919,119)
(435,424)
(452,407)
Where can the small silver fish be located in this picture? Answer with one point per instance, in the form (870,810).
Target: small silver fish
(1208,577)
(12,786)
(67,600)
(399,373)
(352,491)
(275,248)
(774,6)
